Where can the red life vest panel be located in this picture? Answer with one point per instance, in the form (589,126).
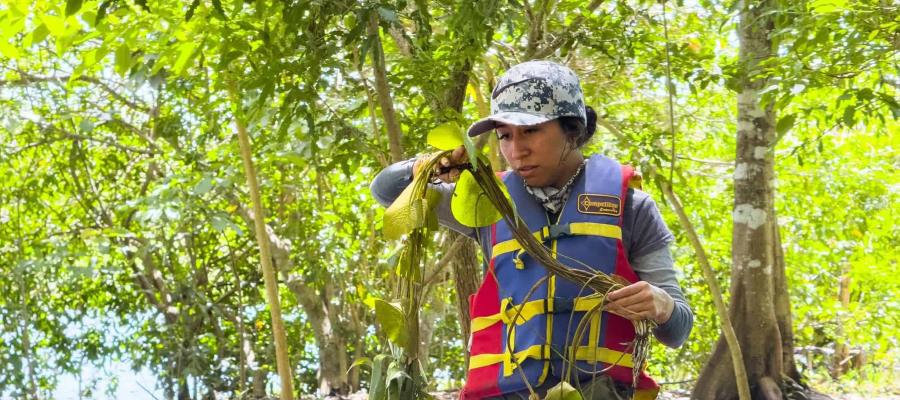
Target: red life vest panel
(524,319)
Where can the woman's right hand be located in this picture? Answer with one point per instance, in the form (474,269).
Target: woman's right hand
(457,157)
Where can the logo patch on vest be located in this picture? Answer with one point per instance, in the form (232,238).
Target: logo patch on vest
(600,204)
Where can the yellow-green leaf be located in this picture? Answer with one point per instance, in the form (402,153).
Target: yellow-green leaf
(392,321)
(404,215)
(470,205)
(186,52)
(563,391)
(447,136)
(123,59)
(56,25)
(72,6)
(407,213)
(8,51)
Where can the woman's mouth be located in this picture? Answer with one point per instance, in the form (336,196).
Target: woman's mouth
(526,171)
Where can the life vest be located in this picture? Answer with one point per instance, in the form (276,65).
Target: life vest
(524,319)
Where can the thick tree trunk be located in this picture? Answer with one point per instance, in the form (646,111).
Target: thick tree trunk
(783,308)
(757,274)
(466,275)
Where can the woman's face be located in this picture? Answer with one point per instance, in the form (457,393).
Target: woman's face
(537,153)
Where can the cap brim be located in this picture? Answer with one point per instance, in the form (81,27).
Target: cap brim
(507,118)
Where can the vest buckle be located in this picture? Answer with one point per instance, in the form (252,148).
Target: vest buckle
(555,231)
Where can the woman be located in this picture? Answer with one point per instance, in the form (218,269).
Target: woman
(524,319)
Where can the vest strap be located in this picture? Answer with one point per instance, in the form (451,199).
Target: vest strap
(524,312)
(553,232)
(543,352)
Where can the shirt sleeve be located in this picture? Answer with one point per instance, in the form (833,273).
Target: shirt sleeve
(643,229)
(657,268)
(391,181)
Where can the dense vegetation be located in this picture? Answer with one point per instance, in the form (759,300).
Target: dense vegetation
(127,235)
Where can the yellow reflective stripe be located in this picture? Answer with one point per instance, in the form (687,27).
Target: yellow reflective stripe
(530,310)
(575,228)
(602,354)
(511,245)
(508,366)
(484,360)
(595,229)
(551,292)
(542,352)
(594,334)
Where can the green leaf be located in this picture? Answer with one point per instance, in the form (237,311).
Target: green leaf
(360,362)
(392,321)
(190,11)
(563,391)
(217,5)
(55,25)
(404,215)
(471,151)
(186,50)
(72,6)
(785,123)
(203,186)
(447,136)
(407,212)
(9,51)
(38,34)
(85,126)
(103,10)
(470,205)
(849,117)
(387,15)
(378,388)
(123,59)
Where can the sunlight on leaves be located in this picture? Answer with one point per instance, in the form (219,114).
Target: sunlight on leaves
(392,322)
(470,205)
(447,136)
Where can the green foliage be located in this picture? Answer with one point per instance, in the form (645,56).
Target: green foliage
(123,235)
(391,319)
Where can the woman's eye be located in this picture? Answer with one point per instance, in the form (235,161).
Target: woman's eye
(502,135)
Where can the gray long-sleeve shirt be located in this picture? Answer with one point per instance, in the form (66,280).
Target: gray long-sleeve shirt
(644,234)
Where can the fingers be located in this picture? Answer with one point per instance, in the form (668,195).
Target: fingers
(629,290)
(637,301)
(634,313)
(457,157)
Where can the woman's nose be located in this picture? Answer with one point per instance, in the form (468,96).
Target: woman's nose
(520,147)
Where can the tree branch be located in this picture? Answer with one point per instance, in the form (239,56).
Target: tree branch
(28,79)
(566,34)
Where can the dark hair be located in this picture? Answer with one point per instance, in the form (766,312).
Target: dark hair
(577,130)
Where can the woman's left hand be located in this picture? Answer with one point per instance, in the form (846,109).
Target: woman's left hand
(639,301)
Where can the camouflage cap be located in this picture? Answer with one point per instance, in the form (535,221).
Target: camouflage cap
(531,93)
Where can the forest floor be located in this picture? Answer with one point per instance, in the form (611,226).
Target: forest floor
(669,395)
(685,395)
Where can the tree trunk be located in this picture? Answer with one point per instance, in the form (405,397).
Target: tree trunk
(756,282)
(323,317)
(383,91)
(466,275)
(783,308)
(841,350)
(281,348)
